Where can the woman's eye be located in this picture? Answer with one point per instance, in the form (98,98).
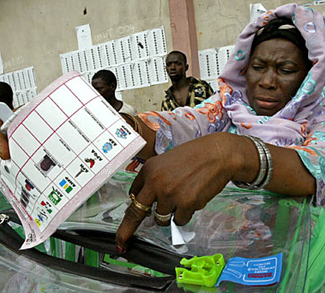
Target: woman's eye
(287,71)
(257,67)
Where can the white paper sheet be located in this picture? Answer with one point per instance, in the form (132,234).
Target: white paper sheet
(208,64)
(223,56)
(139,44)
(157,42)
(84,37)
(123,50)
(157,70)
(179,236)
(1,65)
(256,10)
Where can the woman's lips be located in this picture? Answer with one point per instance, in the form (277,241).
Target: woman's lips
(266,103)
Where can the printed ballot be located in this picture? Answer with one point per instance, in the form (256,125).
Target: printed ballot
(64,145)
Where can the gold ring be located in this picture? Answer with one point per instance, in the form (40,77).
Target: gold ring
(139,205)
(162,218)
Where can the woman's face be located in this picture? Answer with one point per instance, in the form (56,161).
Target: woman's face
(275,72)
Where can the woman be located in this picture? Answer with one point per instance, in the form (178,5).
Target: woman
(272,88)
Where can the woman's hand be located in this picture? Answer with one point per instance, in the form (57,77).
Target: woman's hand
(186,178)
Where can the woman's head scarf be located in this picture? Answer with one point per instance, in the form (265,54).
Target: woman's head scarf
(281,28)
(290,125)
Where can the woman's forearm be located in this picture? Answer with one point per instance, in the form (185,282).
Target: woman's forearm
(290,176)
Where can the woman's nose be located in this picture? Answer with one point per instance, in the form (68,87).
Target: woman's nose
(268,79)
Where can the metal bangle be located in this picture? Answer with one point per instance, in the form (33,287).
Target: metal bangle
(269,173)
(263,167)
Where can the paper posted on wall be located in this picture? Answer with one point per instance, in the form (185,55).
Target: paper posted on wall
(64,145)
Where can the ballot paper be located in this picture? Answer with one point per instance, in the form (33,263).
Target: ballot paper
(64,145)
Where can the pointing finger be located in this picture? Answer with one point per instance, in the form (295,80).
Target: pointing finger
(134,215)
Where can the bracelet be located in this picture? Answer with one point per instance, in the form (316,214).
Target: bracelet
(266,167)
(269,173)
(263,166)
(137,126)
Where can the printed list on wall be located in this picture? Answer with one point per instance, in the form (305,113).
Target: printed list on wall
(212,62)
(23,84)
(136,60)
(64,145)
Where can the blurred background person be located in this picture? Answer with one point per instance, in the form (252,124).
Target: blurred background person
(185,91)
(6,94)
(104,81)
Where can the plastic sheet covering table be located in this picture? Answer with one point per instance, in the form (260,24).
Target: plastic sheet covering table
(235,223)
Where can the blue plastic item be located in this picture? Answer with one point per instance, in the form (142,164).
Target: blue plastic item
(264,271)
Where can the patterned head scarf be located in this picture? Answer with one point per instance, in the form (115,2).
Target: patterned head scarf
(291,124)
(282,28)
